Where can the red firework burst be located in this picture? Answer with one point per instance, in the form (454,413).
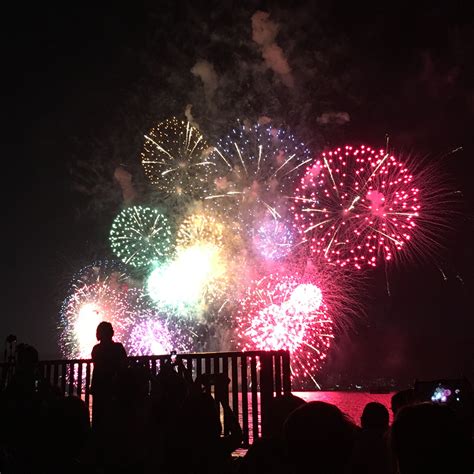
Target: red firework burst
(286,312)
(357,205)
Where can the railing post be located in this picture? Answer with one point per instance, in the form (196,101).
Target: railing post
(245,400)
(88,383)
(71,379)
(266,388)
(277,361)
(235,385)
(55,374)
(63,378)
(286,372)
(79,380)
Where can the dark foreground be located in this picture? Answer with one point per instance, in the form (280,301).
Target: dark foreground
(176,428)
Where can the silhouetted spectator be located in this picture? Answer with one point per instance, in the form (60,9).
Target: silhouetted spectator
(25,408)
(375,418)
(123,442)
(429,438)
(208,451)
(267,454)
(169,389)
(318,437)
(69,428)
(402,399)
(26,378)
(109,360)
(371,453)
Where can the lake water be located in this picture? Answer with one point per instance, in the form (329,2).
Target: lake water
(351,403)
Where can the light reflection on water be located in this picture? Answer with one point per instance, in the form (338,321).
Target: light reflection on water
(351,403)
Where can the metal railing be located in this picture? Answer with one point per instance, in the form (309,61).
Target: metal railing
(255,377)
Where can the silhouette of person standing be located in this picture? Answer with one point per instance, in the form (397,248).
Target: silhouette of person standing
(110,359)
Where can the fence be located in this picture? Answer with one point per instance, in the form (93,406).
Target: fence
(255,377)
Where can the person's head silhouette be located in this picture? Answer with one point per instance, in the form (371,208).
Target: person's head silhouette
(104,332)
(375,418)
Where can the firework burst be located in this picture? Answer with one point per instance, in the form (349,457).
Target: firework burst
(83,310)
(287,312)
(140,236)
(154,335)
(175,159)
(357,206)
(189,284)
(258,165)
(200,228)
(113,273)
(273,239)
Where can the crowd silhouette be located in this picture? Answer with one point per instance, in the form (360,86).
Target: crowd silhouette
(175,428)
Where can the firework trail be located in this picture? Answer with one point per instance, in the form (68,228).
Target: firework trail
(175,159)
(140,236)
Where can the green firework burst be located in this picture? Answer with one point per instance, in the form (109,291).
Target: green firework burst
(140,236)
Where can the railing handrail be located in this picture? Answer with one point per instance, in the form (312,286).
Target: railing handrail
(180,355)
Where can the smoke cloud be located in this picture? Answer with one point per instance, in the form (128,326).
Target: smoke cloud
(206,72)
(264,32)
(189,116)
(337,118)
(124,179)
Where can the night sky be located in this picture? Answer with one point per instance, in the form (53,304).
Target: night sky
(87,81)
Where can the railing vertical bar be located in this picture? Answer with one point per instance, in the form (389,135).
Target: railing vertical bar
(71,378)
(235,385)
(208,365)
(197,366)
(153,367)
(254,390)
(286,373)
(79,380)
(266,391)
(87,385)
(216,369)
(225,371)
(225,365)
(189,365)
(277,359)
(63,378)
(245,402)
(55,374)
(48,372)
(42,369)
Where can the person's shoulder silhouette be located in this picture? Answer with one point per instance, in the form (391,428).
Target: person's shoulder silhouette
(107,351)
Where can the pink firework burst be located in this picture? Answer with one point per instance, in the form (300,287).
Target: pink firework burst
(155,336)
(357,206)
(287,312)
